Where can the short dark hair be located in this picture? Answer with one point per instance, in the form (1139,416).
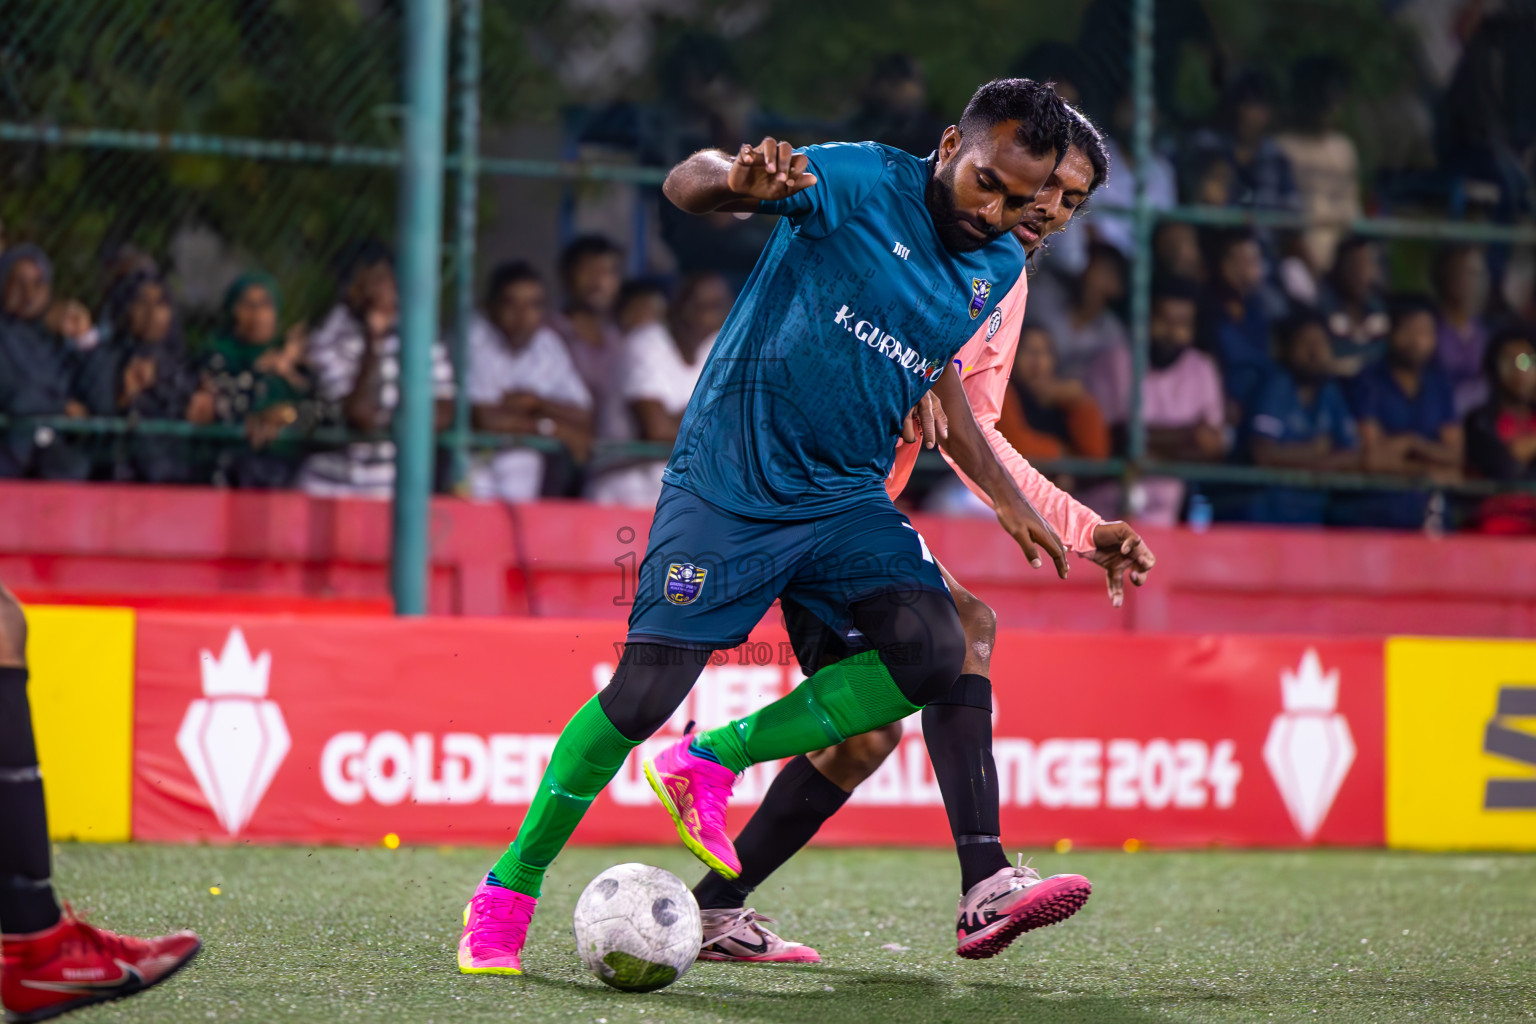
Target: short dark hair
(1220,243)
(1288,329)
(1175,287)
(508,274)
(637,287)
(1349,244)
(1401,307)
(360,255)
(584,247)
(1445,256)
(1085,135)
(1042,115)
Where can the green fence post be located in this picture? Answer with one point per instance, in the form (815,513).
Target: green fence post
(468,194)
(1141,266)
(421,213)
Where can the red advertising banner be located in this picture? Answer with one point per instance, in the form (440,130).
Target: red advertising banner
(283,729)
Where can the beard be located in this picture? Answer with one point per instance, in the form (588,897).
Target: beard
(947,218)
(1161,354)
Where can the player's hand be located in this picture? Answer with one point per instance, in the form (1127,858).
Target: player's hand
(769,170)
(1120,549)
(926,421)
(1032,532)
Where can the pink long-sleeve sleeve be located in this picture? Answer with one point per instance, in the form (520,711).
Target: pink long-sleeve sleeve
(985,363)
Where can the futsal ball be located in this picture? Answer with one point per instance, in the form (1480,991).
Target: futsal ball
(637,927)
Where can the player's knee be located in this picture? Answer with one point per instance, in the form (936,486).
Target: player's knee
(858,757)
(979,622)
(13,630)
(875,746)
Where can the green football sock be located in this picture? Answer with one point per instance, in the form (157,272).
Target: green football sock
(851,697)
(588,754)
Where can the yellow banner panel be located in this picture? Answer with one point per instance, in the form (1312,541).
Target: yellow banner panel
(81,662)
(1461,744)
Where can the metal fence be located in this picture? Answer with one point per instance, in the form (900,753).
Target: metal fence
(274,133)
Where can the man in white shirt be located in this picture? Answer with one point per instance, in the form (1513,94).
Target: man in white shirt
(355,355)
(522,381)
(661,364)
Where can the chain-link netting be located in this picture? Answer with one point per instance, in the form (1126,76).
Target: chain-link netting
(167,127)
(1370,150)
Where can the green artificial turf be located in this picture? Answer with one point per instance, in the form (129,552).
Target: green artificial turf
(331,935)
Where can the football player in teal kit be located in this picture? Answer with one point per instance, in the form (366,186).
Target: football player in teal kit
(877,273)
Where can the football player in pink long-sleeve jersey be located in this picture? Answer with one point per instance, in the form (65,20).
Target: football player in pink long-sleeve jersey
(999,902)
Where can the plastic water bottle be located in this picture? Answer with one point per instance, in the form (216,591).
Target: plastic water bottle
(1434,514)
(1200,512)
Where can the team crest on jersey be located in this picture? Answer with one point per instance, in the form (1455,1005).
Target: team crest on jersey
(994,322)
(685,581)
(980,290)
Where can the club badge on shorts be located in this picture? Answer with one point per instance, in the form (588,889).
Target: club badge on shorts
(980,290)
(684,582)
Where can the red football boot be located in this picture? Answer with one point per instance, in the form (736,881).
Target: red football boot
(73,964)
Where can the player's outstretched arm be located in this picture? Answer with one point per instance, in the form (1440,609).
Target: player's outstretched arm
(714,181)
(968,446)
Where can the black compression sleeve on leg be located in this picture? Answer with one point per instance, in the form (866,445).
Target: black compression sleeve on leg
(959,738)
(919,637)
(792,811)
(26,895)
(649,684)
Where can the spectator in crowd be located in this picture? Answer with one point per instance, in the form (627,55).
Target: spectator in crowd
(1501,434)
(522,381)
(642,302)
(1235,324)
(39,374)
(894,109)
(1176,251)
(704,103)
(1322,158)
(1300,420)
(1119,190)
(119,262)
(1261,174)
(355,357)
(1408,424)
(662,363)
(151,379)
(591,275)
(258,379)
(1046,416)
(1181,400)
(1206,178)
(1079,314)
(1354,301)
(1461,332)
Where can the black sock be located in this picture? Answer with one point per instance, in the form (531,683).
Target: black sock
(792,811)
(958,732)
(980,857)
(26,895)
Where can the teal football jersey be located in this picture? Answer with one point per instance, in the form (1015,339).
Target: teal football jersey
(854,309)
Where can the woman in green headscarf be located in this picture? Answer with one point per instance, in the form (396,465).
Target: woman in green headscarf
(258,380)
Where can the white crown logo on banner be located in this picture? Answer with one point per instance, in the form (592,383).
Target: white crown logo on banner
(233,738)
(1309,750)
